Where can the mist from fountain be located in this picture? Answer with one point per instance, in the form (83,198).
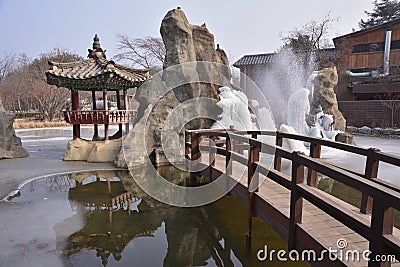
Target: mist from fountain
(288,87)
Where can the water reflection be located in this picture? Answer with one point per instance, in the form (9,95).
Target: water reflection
(115,217)
(104,218)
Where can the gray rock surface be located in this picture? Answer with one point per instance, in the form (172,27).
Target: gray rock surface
(184,43)
(346,138)
(351,129)
(377,131)
(324,95)
(365,130)
(10,144)
(389,131)
(93,151)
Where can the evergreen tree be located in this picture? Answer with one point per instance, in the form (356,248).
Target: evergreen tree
(384,11)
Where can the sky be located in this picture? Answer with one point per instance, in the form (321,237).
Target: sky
(239,26)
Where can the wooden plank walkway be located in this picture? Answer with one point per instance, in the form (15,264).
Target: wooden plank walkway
(317,230)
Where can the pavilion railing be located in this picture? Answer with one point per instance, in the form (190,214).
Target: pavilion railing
(100,116)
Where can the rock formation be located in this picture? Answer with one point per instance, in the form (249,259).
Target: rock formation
(324,95)
(10,144)
(184,43)
(93,151)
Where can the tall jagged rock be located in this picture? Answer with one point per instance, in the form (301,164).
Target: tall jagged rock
(324,95)
(184,43)
(10,144)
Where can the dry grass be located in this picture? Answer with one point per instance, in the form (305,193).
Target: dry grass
(38,124)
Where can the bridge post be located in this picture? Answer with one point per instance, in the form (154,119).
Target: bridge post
(278,158)
(312,176)
(381,224)
(371,172)
(187,148)
(252,185)
(296,201)
(228,163)
(195,155)
(211,157)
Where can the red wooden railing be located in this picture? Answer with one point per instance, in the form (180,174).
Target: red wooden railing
(100,116)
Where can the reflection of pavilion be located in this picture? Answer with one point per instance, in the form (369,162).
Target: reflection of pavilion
(110,224)
(93,75)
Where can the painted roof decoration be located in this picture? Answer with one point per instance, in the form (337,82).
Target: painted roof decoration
(95,73)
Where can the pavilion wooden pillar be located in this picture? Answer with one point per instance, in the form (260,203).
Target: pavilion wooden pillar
(94,107)
(126,108)
(76,128)
(105,113)
(119,108)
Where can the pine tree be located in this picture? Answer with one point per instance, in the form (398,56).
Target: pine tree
(384,11)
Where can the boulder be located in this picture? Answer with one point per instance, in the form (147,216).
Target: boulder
(389,131)
(346,138)
(377,131)
(365,130)
(10,144)
(184,43)
(351,129)
(93,151)
(324,95)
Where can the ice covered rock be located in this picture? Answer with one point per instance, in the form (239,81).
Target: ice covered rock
(324,95)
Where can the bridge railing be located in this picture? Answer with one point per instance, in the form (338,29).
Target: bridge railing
(378,197)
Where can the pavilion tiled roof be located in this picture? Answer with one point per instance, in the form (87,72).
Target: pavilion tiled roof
(95,73)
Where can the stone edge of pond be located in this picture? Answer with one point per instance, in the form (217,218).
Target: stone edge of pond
(375,132)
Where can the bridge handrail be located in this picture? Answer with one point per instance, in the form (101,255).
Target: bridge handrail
(373,153)
(386,196)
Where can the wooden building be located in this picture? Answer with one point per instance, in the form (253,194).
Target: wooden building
(368,67)
(97,75)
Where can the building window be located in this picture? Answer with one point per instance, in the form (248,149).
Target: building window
(375,47)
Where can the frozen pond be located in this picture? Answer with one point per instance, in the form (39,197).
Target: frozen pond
(70,220)
(52,142)
(386,172)
(103,219)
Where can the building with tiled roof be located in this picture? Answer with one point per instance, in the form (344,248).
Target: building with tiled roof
(259,59)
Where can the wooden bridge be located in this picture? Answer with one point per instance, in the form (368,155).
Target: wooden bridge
(290,202)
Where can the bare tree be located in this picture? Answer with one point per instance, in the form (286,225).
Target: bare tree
(308,42)
(12,96)
(313,36)
(394,105)
(25,88)
(7,64)
(49,99)
(148,52)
